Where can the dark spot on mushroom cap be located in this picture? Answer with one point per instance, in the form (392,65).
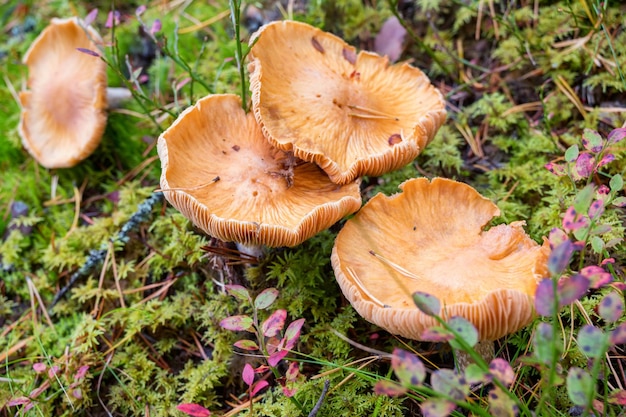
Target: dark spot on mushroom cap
(318,46)
(236,148)
(349,55)
(394,139)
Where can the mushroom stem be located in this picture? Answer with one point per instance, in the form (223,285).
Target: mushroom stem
(485,348)
(251,250)
(116,96)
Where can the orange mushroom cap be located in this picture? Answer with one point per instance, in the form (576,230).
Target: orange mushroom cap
(352,114)
(64,108)
(222,174)
(430,238)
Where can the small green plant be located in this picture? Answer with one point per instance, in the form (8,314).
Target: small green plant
(582,229)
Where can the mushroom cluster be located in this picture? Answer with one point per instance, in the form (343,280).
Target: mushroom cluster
(322,116)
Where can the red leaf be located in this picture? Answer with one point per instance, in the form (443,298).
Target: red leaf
(258,387)
(618,397)
(248,374)
(293,371)
(276,357)
(194,410)
(274,323)
(389,388)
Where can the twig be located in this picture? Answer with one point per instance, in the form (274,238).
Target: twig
(96,257)
(320,401)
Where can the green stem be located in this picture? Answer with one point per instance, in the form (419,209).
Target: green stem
(235,14)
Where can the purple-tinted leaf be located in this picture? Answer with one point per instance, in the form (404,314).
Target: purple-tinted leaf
(248,374)
(596,209)
(585,165)
(448,382)
(545,348)
(579,386)
(437,408)
(52,372)
(274,323)
(113,19)
(237,323)
(618,397)
(156,26)
(544,298)
(88,52)
(602,193)
(592,141)
(606,159)
(573,221)
(571,153)
(621,286)
(474,374)
(292,371)
(607,261)
(39,367)
(389,388)
(571,289)
(246,345)
(427,303)
(18,401)
(557,169)
(276,357)
(82,371)
(436,334)
(465,330)
(288,392)
(501,369)
(560,258)
(408,367)
(239,292)
(258,387)
(501,405)
(273,344)
(194,410)
(611,307)
(600,230)
(390,39)
(556,237)
(619,202)
(91,17)
(266,298)
(616,135)
(618,335)
(292,333)
(592,341)
(597,276)
(140,10)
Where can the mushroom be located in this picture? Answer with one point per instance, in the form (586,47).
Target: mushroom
(64,107)
(222,174)
(431,238)
(352,114)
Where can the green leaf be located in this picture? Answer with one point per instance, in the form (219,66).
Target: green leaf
(597,244)
(583,198)
(465,330)
(546,349)
(237,323)
(592,341)
(427,303)
(246,345)
(571,153)
(239,292)
(611,307)
(266,298)
(617,183)
(592,141)
(579,386)
(501,405)
(450,383)
(409,369)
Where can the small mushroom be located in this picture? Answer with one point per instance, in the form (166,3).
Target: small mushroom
(352,114)
(222,174)
(431,238)
(64,106)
